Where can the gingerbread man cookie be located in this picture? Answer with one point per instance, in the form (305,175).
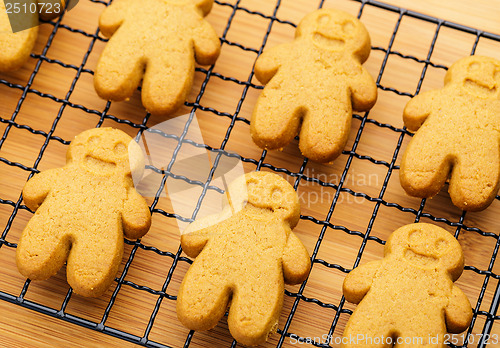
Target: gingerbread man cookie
(458,133)
(16,47)
(244,255)
(82,212)
(155,41)
(408,298)
(314,83)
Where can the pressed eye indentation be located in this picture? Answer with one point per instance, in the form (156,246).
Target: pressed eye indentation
(441,245)
(251,184)
(474,66)
(276,194)
(496,76)
(348,27)
(120,149)
(324,19)
(414,235)
(94,140)
(251,188)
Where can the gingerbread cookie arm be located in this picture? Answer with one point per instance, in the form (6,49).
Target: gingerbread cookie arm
(296,262)
(363,91)
(194,242)
(38,187)
(458,313)
(268,63)
(112,17)
(197,234)
(136,216)
(417,110)
(89,270)
(206,44)
(475,180)
(205,6)
(359,280)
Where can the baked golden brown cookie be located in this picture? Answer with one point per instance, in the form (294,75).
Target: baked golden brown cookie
(408,297)
(156,41)
(313,83)
(16,47)
(458,136)
(82,212)
(243,255)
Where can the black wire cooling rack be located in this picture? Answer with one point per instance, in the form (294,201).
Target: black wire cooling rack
(490,316)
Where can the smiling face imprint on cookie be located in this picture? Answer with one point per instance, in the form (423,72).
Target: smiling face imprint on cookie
(479,76)
(340,33)
(277,196)
(428,250)
(106,155)
(423,252)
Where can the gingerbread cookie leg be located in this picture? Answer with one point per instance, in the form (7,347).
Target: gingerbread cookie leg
(476,168)
(32,260)
(276,119)
(118,73)
(325,130)
(88,269)
(425,166)
(39,257)
(381,331)
(253,314)
(357,335)
(166,92)
(201,307)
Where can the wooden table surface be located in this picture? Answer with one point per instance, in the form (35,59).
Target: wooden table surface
(58,89)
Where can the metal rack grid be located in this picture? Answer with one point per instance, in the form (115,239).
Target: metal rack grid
(19,299)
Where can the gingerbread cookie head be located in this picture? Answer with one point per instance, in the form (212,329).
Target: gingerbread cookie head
(336,31)
(267,191)
(107,151)
(426,246)
(477,75)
